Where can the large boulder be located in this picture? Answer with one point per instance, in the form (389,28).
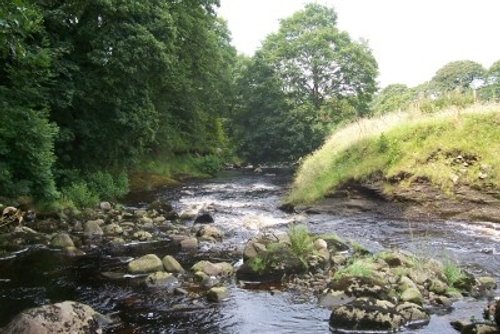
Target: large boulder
(412,295)
(413,314)
(204,218)
(361,287)
(209,232)
(366,315)
(149,263)
(65,317)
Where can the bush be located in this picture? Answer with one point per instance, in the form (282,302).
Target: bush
(80,194)
(453,273)
(301,242)
(209,164)
(106,187)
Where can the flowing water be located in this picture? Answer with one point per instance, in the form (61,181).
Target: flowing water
(245,203)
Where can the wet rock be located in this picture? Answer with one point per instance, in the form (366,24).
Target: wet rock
(405,283)
(181,292)
(200,276)
(335,244)
(217,294)
(487,283)
(365,315)
(65,317)
(189,244)
(213,269)
(146,221)
(161,206)
(142,235)
(146,264)
(287,208)
(361,287)
(438,287)
(479,328)
(465,282)
(112,229)
(159,220)
(204,218)
(118,241)
(412,295)
(188,214)
(171,265)
(161,279)
(209,232)
(93,228)
(105,206)
(252,249)
(334,298)
(73,251)
(413,314)
(396,259)
(497,312)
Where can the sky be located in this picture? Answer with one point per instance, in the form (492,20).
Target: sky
(411,39)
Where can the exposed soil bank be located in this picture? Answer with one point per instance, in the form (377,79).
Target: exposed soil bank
(420,201)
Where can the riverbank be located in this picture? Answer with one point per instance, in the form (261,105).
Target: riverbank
(443,164)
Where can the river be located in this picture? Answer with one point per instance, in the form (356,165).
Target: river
(246,203)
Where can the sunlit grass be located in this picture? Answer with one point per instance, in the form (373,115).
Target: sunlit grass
(414,143)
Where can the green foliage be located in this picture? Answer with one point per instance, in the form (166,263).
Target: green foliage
(80,195)
(258,264)
(107,187)
(458,75)
(305,77)
(301,242)
(359,268)
(209,164)
(26,135)
(393,98)
(452,272)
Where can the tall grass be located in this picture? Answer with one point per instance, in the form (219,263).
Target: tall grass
(413,142)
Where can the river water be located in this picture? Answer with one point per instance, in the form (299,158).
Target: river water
(245,204)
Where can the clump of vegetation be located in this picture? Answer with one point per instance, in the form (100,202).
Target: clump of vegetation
(359,268)
(301,242)
(453,273)
(417,145)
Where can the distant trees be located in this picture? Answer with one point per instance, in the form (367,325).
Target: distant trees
(300,82)
(458,75)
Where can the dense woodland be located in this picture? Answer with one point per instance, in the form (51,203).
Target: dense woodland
(90,89)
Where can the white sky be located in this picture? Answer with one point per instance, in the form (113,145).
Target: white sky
(411,39)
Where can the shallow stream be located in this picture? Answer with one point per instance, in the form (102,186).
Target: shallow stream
(246,203)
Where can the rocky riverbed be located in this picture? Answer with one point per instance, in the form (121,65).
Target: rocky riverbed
(218,256)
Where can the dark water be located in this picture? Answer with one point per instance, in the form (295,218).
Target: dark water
(246,204)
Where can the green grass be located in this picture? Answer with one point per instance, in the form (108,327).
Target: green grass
(301,242)
(359,268)
(415,144)
(452,272)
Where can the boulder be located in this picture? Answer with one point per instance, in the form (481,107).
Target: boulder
(105,206)
(146,221)
(479,328)
(162,279)
(209,232)
(438,287)
(361,287)
(112,229)
(365,315)
(405,283)
(412,295)
(171,265)
(213,269)
(217,294)
(65,317)
(146,264)
(320,244)
(161,206)
(62,240)
(252,249)
(188,214)
(413,314)
(497,313)
(93,228)
(334,298)
(189,244)
(142,235)
(487,282)
(204,218)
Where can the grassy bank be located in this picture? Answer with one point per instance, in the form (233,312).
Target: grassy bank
(447,148)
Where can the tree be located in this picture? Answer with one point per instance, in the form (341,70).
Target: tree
(306,76)
(26,135)
(458,75)
(317,61)
(392,98)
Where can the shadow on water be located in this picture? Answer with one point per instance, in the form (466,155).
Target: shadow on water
(245,203)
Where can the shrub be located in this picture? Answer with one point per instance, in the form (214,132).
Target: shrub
(106,187)
(359,268)
(80,194)
(209,164)
(452,272)
(301,242)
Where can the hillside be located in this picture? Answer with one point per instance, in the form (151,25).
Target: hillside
(452,156)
